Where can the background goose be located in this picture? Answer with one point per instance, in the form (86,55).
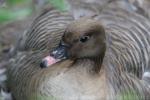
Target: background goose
(46,30)
(142,7)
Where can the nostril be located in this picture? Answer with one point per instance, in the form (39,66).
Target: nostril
(53,53)
(43,64)
(59,52)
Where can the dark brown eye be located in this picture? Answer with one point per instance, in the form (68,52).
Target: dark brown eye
(84,39)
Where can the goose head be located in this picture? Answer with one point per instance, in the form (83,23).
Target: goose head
(82,39)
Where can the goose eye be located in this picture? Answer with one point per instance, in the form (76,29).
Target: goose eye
(84,39)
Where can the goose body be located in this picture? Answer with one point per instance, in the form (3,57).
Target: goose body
(56,83)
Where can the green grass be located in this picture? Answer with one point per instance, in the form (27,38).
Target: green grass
(129,95)
(11,15)
(17,2)
(59,4)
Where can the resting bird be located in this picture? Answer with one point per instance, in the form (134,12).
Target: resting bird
(103,57)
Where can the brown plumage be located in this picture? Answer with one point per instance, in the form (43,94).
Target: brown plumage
(118,69)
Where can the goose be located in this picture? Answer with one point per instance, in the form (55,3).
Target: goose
(35,93)
(105,57)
